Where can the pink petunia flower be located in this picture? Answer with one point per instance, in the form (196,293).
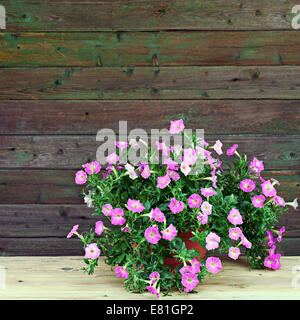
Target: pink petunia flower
(232,150)
(268,189)
(146,172)
(173,175)
(99,228)
(212,241)
(135,205)
(235,233)
(281,231)
(234,253)
(203,218)
(80,177)
(279,201)
(169,233)
(74,229)
(213,264)
(194,201)
(157,215)
(153,290)
(121,272)
(206,208)
(126,229)
(117,217)
(268,262)
(92,167)
(162,182)
(235,217)
(190,281)
(112,158)
(207,192)
(270,238)
(121,144)
(171,164)
(152,234)
(106,209)
(186,269)
(218,147)
(190,156)
(276,262)
(185,168)
(176,206)
(247,185)
(154,276)
(195,264)
(92,251)
(246,242)
(258,201)
(256,166)
(176,126)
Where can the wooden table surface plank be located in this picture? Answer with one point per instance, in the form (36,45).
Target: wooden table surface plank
(61,278)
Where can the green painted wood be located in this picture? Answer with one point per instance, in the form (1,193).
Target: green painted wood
(94,15)
(116,49)
(70,152)
(151,83)
(87,117)
(58,186)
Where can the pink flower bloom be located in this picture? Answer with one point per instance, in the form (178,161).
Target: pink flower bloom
(279,201)
(162,182)
(154,276)
(135,205)
(171,164)
(268,189)
(212,241)
(256,165)
(190,156)
(121,272)
(176,206)
(173,175)
(203,218)
(126,229)
(268,262)
(235,233)
(195,264)
(169,233)
(247,185)
(186,269)
(207,192)
(194,200)
(92,251)
(258,201)
(99,227)
(270,238)
(106,209)
(80,177)
(152,234)
(213,264)
(153,290)
(272,251)
(246,242)
(235,217)
(117,217)
(218,147)
(206,208)
(176,126)
(232,150)
(281,231)
(74,229)
(92,167)
(112,158)
(190,281)
(157,215)
(121,144)
(146,172)
(185,168)
(276,262)
(234,253)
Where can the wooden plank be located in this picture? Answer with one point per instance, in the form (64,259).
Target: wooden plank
(87,117)
(151,83)
(70,152)
(58,186)
(36,221)
(43,221)
(93,15)
(112,49)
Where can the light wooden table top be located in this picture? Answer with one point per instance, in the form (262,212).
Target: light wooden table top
(61,278)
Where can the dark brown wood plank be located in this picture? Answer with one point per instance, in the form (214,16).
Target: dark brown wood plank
(93,15)
(113,49)
(70,152)
(58,186)
(35,221)
(151,83)
(87,117)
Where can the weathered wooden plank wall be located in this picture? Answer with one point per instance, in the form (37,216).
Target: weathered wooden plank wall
(69,68)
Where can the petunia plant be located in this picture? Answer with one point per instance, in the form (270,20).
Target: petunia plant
(162,228)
